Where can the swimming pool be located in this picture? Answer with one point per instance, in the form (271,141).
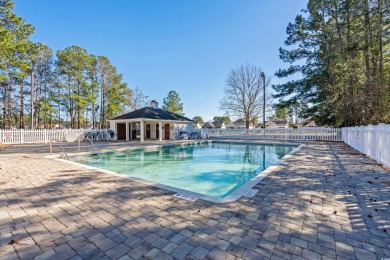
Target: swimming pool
(212,169)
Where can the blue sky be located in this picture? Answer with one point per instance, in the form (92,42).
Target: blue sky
(183,45)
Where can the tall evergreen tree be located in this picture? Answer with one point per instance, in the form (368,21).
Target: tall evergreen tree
(114,94)
(173,103)
(15,46)
(66,89)
(43,92)
(75,64)
(341,50)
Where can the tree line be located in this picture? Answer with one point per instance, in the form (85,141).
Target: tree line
(340,50)
(72,87)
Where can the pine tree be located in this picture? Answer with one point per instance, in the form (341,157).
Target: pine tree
(114,94)
(75,64)
(43,101)
(65,89)
(173,103)
(15,46)
(341,50)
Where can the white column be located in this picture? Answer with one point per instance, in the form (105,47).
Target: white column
(142,130)
(127,131)
(112,125)
(160,131)
(116,131)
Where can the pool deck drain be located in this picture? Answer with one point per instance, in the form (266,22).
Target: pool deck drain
(251,193)
(186,197)
(302,210)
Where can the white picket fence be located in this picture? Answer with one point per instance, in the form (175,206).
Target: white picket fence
(303,133)
(372,140)
(28,136)
(24,136)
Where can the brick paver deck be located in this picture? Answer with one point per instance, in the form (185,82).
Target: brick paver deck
(326,202)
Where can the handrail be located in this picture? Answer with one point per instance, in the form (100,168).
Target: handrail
(93,145)
(63,148)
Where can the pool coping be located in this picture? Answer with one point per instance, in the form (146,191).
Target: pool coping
(235,195)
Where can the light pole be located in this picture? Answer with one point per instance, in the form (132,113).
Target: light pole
(263,76)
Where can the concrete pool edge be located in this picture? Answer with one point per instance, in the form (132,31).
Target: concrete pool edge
(235,195)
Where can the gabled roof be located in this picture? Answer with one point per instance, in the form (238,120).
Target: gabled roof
(152,113)
(209,125)
(307,122)
(269,123)
(280,122)
(239,121)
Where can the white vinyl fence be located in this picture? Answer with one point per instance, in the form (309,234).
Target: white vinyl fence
(23,136)
(28,136)
(303,133)
(372,140)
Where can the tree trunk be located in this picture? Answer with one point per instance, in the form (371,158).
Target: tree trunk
(10,106)
(93,115)
(78,106)
(44,101)
(32,99)
(4,87)
(367,55)
(71,112)
(247,123)
(102,104)
(380,34)
(59,109)
(21,117)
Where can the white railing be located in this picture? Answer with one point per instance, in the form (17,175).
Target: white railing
(372,140)
(28,136)
(303,133)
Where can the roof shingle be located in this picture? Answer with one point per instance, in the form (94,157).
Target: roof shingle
(152,113)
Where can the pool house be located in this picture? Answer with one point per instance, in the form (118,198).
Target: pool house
(149,123)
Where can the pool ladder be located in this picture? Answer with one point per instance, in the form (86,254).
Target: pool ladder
(64,150)
(94,147)
(62,147)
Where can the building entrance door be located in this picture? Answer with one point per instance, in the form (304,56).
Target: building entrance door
(167,131)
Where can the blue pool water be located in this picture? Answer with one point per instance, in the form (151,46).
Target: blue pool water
(212,169)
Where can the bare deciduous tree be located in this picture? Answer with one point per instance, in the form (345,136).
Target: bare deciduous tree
(244,93)
(138,99)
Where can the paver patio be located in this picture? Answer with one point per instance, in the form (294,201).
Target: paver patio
(325,202)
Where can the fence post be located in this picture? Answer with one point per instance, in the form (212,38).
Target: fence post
(380,139)
(21,135)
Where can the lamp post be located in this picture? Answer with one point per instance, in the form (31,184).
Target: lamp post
(263,76)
